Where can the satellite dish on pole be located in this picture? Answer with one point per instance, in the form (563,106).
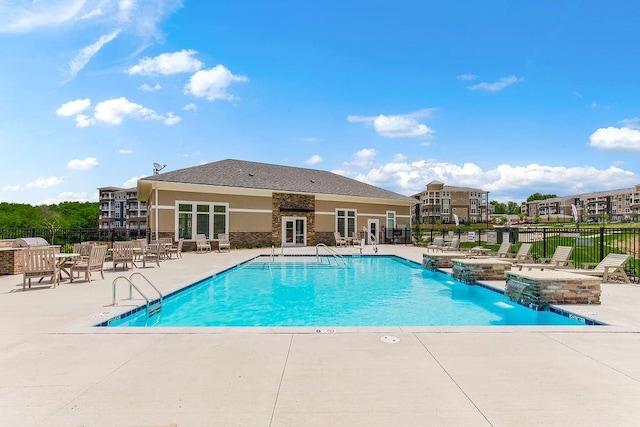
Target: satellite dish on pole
(157,167)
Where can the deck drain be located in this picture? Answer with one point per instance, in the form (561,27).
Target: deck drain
(389,339)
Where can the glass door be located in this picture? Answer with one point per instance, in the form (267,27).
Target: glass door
(372,225)
(294,231)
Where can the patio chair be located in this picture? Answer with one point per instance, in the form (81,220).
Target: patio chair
(340,241)
(202,244)
(176,249)
(95,262)
(123,253)
(40,262)
(559,259)
(611,265)
(223,242)
(153,253)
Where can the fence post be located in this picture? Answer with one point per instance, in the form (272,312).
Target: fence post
(544,242)
(601,243)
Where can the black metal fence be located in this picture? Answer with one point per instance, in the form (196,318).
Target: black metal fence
(590,245)
(63,236)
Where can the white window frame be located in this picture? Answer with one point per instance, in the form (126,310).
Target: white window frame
(194,212)
(346,219)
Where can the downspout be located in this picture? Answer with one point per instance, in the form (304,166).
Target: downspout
(155,197)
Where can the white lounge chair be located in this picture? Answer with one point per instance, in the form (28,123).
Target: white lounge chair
(611,265)
(560,259)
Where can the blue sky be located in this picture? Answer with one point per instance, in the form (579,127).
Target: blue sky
(513,97)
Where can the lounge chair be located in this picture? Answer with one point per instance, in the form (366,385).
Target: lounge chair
(502,252)
(40,262)
(611,265)
(453,245)
(95,262)
(560,259)
(223,242)
(437,244)
(202,244)
(340,241)
(523,254)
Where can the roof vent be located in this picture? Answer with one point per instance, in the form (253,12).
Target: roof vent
(251,173)
(313,181)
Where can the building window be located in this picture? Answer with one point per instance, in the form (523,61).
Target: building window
(391,219)
(211,219)
(345,222)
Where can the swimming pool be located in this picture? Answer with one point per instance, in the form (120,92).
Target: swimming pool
(370,291)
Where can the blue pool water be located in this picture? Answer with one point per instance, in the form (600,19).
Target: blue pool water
(372,291)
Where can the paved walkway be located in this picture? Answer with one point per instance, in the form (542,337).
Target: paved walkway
(56,370)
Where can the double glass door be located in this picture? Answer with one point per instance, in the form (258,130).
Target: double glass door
(294,231)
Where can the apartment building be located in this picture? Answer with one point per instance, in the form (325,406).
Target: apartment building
(439,202)
(121,211)
(620,205)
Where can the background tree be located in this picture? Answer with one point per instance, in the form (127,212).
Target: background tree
(538,196)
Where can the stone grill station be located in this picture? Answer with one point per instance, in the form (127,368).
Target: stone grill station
(12,253)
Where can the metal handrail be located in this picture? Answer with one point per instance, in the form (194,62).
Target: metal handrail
(335,255)
(372,238)
(133,286)
(147,280)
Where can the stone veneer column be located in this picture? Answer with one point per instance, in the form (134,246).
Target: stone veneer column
(300,205)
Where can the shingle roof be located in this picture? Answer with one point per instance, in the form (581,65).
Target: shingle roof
(244,174)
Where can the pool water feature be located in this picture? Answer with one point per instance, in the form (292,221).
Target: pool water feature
(370,291)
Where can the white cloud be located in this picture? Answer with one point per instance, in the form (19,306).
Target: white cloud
(72,108)
(466,77)
(92,14)
(44,182)
(362,159)
(616,139)
(132,182)
(190,107)
(113,111)
(496,86)
(84,164)
(396,126)
(313,160)
(84,56)
(168,63)
(504,181)
(22,17)
(146,88)
(633,123)
(171,119)
(12,188)
(125,151)
(213,83)
(82,121)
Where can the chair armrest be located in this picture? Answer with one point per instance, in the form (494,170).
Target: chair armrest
(588,265)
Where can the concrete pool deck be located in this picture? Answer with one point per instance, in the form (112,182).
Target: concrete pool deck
(56,370)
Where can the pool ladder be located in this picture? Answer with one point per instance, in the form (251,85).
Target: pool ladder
(336,256)
(153,306)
